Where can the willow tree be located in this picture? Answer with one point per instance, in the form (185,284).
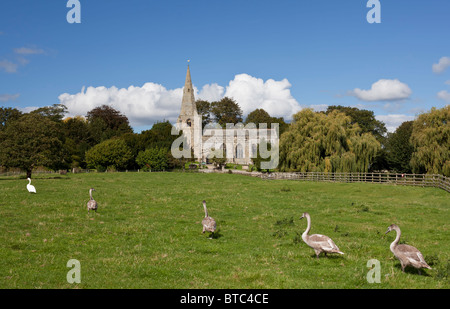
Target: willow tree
(430,138)
(326,143)
(368,124)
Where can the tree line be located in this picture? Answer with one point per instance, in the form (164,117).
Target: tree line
(340,139)
(101,140)
(348,139)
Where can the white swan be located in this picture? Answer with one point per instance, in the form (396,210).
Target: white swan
(30,187)
(320,243)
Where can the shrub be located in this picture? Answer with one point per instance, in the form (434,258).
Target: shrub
(110,153)
(153,159)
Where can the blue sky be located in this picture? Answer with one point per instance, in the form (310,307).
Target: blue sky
(281,55)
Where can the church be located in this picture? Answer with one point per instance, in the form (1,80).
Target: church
(237,143)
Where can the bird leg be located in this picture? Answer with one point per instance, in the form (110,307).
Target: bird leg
(317,253)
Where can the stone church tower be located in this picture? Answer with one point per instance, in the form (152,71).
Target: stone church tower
(188,121)
(238,144)
(188,107)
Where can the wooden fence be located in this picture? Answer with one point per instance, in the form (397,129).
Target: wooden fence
(421,180)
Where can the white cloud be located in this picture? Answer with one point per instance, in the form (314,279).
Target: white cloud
(444,95)
(28,109)
(383,90)
(8,97)
(392,107)
(393,121)
(319,107)
(443,64)
(28,51)
(447,82)
(272,96)
(8,66)
(11,67)
(153,102)
(142,105)
(211,93)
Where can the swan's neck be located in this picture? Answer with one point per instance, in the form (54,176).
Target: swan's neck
(396,240)
(29,181)
(308,228)
(90,194)
(206,210)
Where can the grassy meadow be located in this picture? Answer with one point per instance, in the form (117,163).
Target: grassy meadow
(147,232)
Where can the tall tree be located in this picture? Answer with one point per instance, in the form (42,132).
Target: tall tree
(430,138)
(399,148)
(259,116)
(368,124)
(8,114)
(106,122)
(226,111)
(134,143)
(54,112)
(204,110)
(31,141)
(364,118)
(329,143)
(160,135)
(78,140)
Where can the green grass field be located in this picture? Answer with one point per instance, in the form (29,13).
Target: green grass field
(147,232)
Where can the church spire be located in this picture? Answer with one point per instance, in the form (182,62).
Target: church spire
(188,102)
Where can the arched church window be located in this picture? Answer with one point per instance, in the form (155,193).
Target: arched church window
(239,151)
(223,147)
(254,150)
